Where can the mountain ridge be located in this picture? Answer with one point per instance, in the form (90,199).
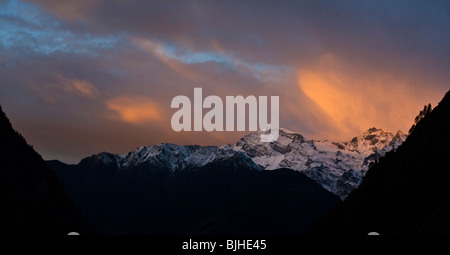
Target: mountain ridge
(337,166)
(229,196)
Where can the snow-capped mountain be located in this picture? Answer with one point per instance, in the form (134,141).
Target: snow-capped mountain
(173,157)
(336,166)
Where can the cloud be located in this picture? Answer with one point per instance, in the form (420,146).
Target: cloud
(58,89)
(79,87)
(182,59)
(84,87)
(160,51)
(135,110)
(71,10)
(351,102)
(343,107)
(339,67)
(24,27)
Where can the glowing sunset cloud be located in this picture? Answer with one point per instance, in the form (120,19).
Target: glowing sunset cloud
(338,101)
(135,110)
(352,101)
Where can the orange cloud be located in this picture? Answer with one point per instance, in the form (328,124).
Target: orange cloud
(135,109)
(353,102)
(334,98)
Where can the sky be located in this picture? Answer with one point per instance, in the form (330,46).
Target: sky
(81,77)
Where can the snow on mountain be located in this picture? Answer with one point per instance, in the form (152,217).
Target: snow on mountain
(171,156)
(338,166)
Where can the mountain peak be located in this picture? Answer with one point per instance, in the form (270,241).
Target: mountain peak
(373,129)
(372,140)
(399,135)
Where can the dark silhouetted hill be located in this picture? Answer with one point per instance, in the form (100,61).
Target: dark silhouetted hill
(227,196)
(31,197)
